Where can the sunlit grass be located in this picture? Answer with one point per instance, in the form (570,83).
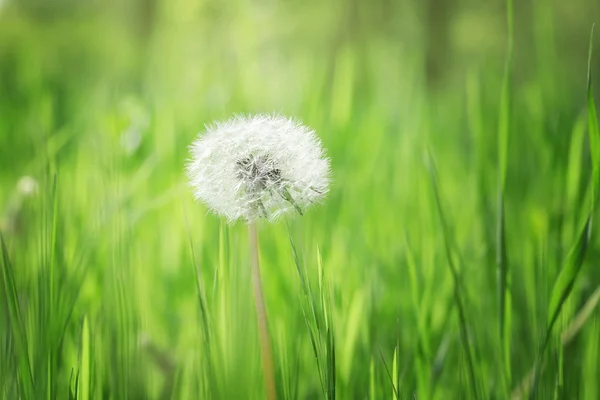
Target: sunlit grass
(116,284)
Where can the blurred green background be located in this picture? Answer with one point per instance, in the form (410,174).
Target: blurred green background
(116,285)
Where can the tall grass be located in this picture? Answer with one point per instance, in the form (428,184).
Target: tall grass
(473,280)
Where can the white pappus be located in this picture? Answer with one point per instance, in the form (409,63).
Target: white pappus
(258,166)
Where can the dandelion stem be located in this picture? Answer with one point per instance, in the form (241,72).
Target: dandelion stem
(261,315)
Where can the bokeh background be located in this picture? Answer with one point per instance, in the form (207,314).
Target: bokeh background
(117,285)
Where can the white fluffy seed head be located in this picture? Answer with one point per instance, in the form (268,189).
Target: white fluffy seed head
(258,166)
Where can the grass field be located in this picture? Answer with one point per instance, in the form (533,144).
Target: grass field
(455,256)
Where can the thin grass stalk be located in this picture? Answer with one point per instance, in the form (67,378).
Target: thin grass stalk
(261,316)
(573,263)
(464,336)
(503,271)
(566,338)
(395,391)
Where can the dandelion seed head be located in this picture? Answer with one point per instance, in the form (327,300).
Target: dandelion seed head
(258,166)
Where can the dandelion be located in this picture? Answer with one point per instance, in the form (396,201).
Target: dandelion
(260,166)
(255,167)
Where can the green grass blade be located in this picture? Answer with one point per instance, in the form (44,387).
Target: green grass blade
(504,290)
(317,312)
(372,386)
(311,323)
(582,317)
(390,376)
(456,281)
(395,372)
(298,265)
(200,292)
(331,369)
(574,167)
(566,278)
(54,227)
(505,103)
(17,326)
(73,385)
(84,375)
(593,127)
(590,367)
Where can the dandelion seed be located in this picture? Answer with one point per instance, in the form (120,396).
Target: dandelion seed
(258,166)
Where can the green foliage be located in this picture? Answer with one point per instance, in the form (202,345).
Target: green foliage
(504,284)
(16,329)
(576,256)
(318,318)
(457,290)
(474,280)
